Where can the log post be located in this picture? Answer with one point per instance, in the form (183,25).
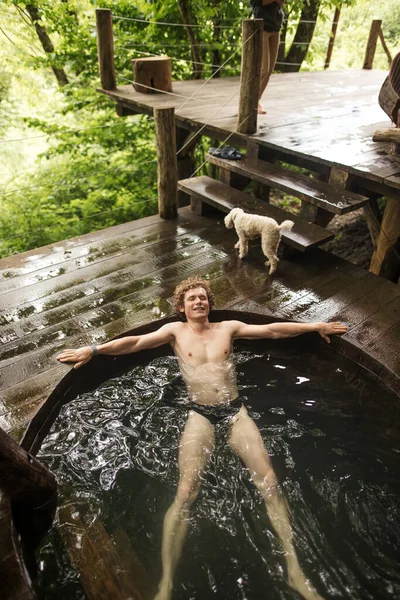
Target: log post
(332,38)
(252,30)
(23,478)
(371,44)
(105,48)
(167,169)
(154,73)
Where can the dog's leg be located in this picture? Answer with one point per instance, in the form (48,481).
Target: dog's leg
(237,245)
(243,246)
(272,263)
(270,250)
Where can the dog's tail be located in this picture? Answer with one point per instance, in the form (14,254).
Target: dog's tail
(286,225)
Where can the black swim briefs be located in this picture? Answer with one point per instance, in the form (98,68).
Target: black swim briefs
(218,414)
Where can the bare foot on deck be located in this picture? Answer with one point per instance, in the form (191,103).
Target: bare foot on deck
(298,582)
(261,110)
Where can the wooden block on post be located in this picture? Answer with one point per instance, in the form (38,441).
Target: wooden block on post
(154,73)
(167,168)
(252,30)
(105,48)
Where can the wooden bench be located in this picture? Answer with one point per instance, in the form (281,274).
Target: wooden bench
(303,236)
(318,193)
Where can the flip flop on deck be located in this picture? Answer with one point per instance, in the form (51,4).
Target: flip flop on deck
(228,152)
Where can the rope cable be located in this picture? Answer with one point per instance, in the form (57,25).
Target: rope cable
(35,137)
(80,219)
(174,24)
(87,176)
(194,62)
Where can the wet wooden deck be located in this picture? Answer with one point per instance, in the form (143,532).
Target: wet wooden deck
(326,118)
(89,289)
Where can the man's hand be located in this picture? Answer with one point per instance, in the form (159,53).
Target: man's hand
(80,356)
(326,329)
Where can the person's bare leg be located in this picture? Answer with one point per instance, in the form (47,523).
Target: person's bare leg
(196,447)
(245,440)
(269,55)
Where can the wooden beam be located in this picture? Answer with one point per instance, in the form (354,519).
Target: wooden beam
(373,217)
(105,48)
(371,44)
(387,135)
(166,163)
(386,258)
(252,30)
(23,478)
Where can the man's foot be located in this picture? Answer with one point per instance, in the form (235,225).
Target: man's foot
(298,582)
(261,110)
(164,592)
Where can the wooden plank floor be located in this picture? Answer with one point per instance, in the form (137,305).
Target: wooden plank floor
(327,117)
(89,289)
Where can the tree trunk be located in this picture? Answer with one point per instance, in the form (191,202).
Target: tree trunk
(193,38)
(46,43)
(303,37)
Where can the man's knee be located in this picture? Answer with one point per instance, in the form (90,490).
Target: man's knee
(265,481)
(186,494)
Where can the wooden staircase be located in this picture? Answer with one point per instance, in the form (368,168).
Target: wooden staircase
(203,189)
(305,235)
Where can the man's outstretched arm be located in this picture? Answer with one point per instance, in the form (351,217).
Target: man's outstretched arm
(125,345)
(284,330)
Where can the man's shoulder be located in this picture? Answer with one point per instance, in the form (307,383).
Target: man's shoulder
(231,325)
(174,326)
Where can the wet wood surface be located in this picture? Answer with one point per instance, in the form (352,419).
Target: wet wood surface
(331,123)
(303,236)
(94,287)
(318,193)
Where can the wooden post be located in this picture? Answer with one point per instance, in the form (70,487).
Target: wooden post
(332,38)
(105,48)
(371,44)
(166,163)
(252,30)
(23,478)
(386,258)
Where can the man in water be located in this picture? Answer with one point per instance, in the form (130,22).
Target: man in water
(203,350)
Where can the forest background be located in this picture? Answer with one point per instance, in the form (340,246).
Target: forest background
(69,165)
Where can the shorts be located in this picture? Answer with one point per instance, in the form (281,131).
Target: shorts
(218,414)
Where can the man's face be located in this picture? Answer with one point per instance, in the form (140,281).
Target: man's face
(195,303)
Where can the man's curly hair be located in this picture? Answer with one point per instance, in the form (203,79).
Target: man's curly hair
(189,284)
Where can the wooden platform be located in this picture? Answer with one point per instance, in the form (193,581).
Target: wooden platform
(321,121)
(325,117)
(89,289)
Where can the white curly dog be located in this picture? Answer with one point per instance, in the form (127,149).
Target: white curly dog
(248,227)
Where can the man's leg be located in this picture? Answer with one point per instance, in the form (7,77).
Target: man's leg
(196,447)
(245,440)
(270,45)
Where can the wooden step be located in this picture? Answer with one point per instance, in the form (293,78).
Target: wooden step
(303,236)
(333,199)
